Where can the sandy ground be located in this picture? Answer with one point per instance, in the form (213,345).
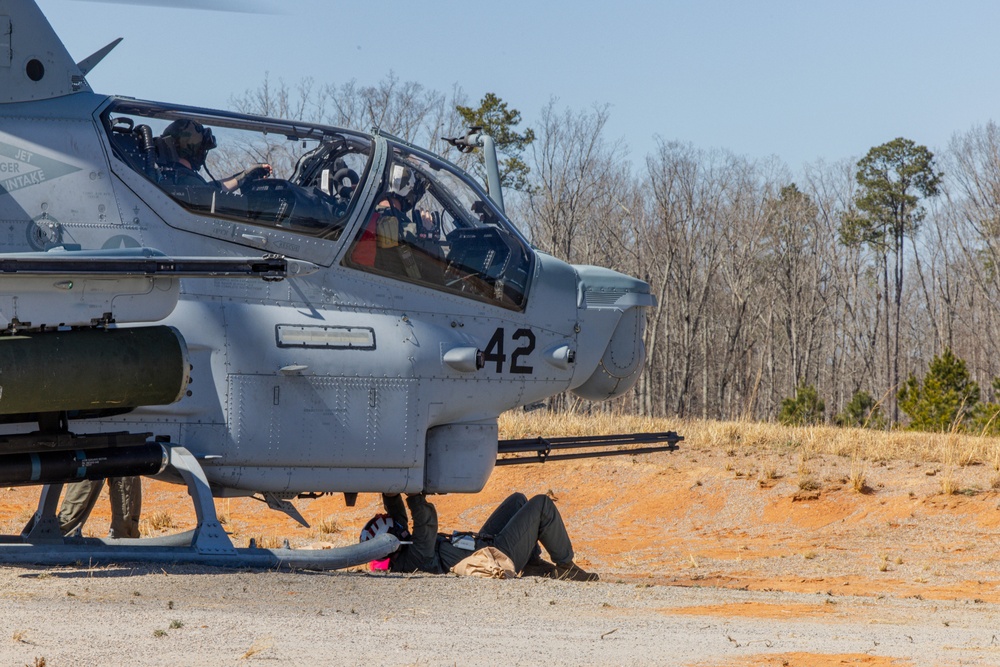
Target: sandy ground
(707,559)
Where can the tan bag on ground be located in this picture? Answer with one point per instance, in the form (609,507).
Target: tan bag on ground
(488,562)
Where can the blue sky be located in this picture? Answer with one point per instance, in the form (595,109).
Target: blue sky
(799,80)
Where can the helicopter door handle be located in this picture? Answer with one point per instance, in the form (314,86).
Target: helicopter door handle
(256,239)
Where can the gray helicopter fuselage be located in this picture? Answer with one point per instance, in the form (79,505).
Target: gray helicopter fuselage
(352,378)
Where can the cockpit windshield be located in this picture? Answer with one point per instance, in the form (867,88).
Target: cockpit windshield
(299,177)
(431,225)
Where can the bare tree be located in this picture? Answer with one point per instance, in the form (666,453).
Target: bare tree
(971,221)
(573,167)
(402,108)
(689,191)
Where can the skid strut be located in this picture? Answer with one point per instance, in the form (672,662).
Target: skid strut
(42,543)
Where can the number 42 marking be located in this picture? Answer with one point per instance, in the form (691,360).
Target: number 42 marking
(494,352)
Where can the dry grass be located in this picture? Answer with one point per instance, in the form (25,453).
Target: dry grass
(224,514)
(809,484)
(949,485)
(258,646)
(954,458)
(883,565)
(769,470)
(760,439)
(327,526)
(803,468)
(858,477)
(155,523)
(268,541)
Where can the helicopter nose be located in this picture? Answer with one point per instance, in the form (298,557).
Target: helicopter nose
(612,314)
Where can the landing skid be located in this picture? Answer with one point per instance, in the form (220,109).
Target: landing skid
(42,543)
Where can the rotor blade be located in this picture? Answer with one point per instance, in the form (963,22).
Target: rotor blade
(239,6)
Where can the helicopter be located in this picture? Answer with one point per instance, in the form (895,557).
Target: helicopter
(350,315)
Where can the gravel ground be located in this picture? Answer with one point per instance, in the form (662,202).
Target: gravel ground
(706,562)
(182,615)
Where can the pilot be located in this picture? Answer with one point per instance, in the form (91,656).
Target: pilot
(388,240)
(183,148)
(515,527)
(379,243)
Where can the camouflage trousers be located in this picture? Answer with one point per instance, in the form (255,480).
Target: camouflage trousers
(126,504)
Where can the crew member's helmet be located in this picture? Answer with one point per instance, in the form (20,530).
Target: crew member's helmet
(378,524)
(403,184)
(401,181)
(191,140)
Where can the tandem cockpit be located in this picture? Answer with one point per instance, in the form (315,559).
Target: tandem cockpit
(401,212)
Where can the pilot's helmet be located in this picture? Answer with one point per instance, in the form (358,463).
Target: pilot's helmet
(402,181)
(377,525)
(191,140)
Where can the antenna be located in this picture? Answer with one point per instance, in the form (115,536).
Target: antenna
(90,62)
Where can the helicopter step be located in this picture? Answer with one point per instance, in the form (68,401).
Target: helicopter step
(42,543)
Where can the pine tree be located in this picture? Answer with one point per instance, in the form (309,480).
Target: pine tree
(804,409)
(946,398)
(499,122)
(863,411)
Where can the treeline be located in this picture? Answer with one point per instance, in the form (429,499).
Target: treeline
(772,286)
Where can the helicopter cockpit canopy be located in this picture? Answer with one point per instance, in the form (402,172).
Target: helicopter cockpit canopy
(312,188)
(429,223)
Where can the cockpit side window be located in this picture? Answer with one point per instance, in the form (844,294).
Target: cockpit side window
(430,226)
(299,178)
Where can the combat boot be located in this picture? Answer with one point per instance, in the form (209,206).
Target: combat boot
(572,572)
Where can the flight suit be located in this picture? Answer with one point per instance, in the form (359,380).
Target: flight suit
(380,246)
(515,528)
(190,187)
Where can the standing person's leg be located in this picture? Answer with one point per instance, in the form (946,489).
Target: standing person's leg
(537,521)
(126,505)
(78,501)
